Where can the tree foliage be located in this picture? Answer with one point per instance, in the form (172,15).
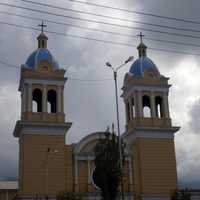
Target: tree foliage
(108,172)
(183,194)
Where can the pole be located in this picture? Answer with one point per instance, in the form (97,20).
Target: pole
(118,126)
(119,135)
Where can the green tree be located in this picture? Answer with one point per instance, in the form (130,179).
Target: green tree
(183,194)
(108,172)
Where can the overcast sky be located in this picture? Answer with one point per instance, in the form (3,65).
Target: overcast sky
(90,105)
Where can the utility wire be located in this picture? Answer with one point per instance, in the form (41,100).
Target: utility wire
(104,23)
(71,79)
(137,12)
(110,17)
(98,30)
(97,40)
(8,64)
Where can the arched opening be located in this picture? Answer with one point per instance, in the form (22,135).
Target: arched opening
(146,106)
(37,100)
(159,106)
(51,104)
(133,107)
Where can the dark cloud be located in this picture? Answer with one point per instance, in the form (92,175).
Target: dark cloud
(91,105)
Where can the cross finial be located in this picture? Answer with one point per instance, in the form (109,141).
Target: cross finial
(141,37)
(42,26)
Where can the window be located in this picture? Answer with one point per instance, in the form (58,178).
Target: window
(133,107)
(146,106)
(51,104)
(37,100)
(159,107)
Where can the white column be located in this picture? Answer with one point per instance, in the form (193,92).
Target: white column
(135,104)
(44,99)
(59,95)
(89,170)
(23,99)
(30,97)
(130,108)
(126,110)
(166,105)
(140,109)
(153,106)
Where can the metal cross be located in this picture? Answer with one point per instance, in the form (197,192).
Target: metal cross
(141,36)
(42,26)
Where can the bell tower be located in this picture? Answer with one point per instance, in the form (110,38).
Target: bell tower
(42,127)
(149,131)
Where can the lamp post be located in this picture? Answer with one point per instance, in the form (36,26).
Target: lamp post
(115,70)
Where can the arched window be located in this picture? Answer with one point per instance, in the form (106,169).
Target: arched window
(37,100)
(159,106)
(51,104)
(146,106)
(133,107)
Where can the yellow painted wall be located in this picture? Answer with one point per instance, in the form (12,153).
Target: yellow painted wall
(40,167)
(69,163)
(155,166)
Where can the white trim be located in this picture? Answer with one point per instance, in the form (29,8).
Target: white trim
(89,138)
(89,171)
(59,101)
(30,98)
(44,81)
(92,181)
(44,98)
(148,132)
(29,128)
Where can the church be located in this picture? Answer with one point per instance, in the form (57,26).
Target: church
(47,165)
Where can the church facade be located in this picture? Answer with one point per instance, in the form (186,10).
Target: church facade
(47,165)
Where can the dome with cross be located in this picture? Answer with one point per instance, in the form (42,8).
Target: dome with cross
(143,63)
(42,54)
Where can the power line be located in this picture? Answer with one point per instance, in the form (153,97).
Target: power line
(98,40)
(110,17)
(98,30)
(137,12)
(71,79)
(104,23)
(8,64)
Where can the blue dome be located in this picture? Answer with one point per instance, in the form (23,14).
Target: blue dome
(41,54)
(141,65)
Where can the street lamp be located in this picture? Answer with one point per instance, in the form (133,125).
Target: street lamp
(115,70)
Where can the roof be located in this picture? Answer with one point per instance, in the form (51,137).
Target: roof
(141,65)
(8,185)
(39,55)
